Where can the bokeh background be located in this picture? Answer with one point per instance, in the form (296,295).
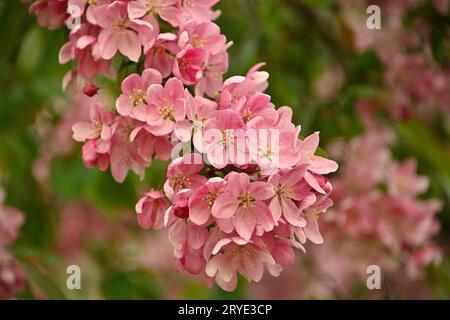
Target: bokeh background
(340,78)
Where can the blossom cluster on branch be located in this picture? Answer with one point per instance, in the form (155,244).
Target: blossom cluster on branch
(242,190)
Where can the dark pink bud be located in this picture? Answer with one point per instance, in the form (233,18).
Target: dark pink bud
(90,89)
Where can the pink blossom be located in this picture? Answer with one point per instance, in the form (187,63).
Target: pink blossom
(150,210)
(224,139)
(132,102)
(121,34)
(198,111)
(233,255)
(162,55)
(237,88)
(189,64)
(289,187)
(243,201)
(258,105)
(205,35)
(403,181)
(183,173)
(99,127)
(166,105)
(211,82)
(50,13)
(202,200)
(140,8)
(87,7)
(83,46)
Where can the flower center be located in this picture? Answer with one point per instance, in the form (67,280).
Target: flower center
(284,191)
(137,96)
(120,25)
(247,115)
(246,200)
(184,63)
(197,42)
(153,6)
(211,197)
(314,214)
(180,181)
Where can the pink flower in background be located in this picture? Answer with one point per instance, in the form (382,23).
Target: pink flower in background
(12,280)
(242,201)
(402,180)
(150,210)
(132,102)
(50,13)
(11,220)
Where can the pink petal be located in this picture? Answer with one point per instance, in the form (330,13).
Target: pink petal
(245,223)
(224,207)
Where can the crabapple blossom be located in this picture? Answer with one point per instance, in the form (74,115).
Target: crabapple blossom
(132,101)
(242,190)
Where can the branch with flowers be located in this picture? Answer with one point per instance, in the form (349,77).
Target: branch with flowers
(242,190)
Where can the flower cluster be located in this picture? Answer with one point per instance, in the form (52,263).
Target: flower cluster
(378,212)
(378,218)
(242,188)
(416,81)
(12,280)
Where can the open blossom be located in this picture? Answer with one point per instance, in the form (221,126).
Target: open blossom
(83,46)
(183,173)
(198,111)
(233,255)
(167,105)
(242,201)
(150,210)
(141,8)
(205,35)
(224,139)
(189,64)
(132,102)
(289,188)
(162,55)
(201,202)
(122,34)
(211,82)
